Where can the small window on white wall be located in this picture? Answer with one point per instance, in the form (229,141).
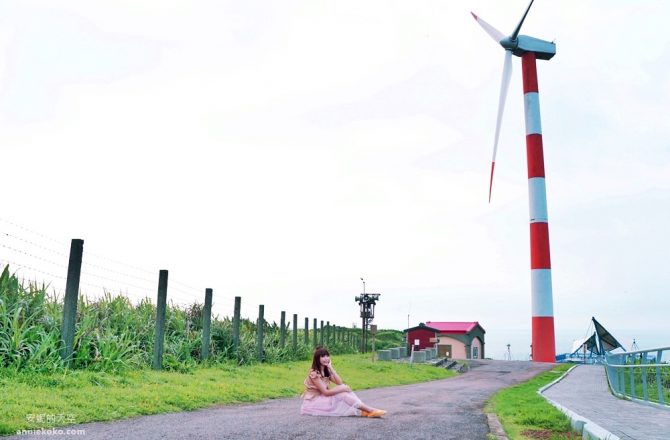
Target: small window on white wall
(475,352)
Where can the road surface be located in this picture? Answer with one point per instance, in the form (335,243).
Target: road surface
(442,409)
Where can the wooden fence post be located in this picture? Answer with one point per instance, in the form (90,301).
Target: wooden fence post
(327,332)
(160,319)
(314,335)
(206,323)
(321,335)
(306,331)
(282,330)
(236,326)
(259,333)
(295,332)
(71,299)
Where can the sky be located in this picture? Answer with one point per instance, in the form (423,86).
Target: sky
(280,151)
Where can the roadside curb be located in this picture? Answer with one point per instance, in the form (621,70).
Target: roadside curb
(495,427)
(589,429)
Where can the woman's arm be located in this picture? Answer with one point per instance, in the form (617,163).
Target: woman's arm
(333,375)
(323,389)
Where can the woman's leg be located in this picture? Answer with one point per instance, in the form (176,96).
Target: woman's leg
(353,400)
(366,408)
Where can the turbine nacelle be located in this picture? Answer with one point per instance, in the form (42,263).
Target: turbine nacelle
(523,44)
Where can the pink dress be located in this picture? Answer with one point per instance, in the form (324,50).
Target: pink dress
(316,404)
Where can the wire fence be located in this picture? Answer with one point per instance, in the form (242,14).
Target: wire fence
(40,259)
(45,261)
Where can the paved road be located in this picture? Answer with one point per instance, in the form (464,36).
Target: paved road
(443,409)
(584,391)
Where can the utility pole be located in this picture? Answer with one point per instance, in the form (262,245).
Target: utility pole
(367,302)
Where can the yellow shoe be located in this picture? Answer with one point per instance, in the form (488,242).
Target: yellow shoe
(365,413)
(376,413)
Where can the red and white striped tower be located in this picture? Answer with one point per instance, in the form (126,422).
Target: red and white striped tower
(544,346)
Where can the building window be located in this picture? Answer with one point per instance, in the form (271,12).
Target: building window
(475,352)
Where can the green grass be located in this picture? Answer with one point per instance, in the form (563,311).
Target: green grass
(79,396)
(521,409)
(389,339)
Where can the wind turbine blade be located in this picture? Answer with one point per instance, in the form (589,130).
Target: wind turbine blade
(493,32)
(518,27)
(504,86)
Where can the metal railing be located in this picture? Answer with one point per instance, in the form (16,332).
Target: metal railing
(640,375)
(579,358)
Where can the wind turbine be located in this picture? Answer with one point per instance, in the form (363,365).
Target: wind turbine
(529,49)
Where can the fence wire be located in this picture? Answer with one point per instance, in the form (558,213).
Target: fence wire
(43,260)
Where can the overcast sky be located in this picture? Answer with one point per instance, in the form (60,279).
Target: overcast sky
(279,151)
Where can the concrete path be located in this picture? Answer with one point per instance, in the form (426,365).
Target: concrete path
(443,409)
(584,391)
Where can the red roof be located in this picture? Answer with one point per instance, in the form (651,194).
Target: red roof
(452,327)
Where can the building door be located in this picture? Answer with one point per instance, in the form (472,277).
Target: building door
(444,351)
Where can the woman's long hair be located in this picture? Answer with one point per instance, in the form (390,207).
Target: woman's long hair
(316,360)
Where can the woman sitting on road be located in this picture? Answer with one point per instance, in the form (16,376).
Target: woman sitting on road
(319,400)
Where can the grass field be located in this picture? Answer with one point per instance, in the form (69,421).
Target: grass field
(32,400)
(526,415)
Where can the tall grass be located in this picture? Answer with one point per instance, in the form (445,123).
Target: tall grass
(27,332)
(389,339)
(112,334)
